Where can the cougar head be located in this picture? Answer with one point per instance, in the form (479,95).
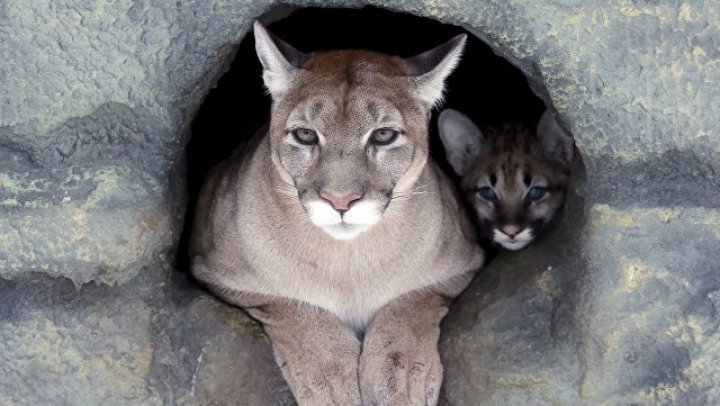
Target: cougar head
(515,179)
(348,129)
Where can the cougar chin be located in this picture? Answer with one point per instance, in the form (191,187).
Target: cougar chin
(344,226)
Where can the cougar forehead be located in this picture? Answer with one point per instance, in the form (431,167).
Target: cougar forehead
(348,89)
(355,66)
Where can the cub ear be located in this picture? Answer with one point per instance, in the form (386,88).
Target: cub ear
(461,138)
(430,68)
(280,60)
(558,143)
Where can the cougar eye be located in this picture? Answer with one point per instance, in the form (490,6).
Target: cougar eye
(384,136)
(305,136)
(487,193)
(535,193)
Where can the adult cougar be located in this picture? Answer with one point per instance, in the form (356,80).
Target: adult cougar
(335,231)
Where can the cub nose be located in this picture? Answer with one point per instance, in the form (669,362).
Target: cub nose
(511,230)
(341,203)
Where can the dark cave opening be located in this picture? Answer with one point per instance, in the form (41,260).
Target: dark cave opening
(485,86)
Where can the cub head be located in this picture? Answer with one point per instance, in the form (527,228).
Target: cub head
(348,129)
(515,180)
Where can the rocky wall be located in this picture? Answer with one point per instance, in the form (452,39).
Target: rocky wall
(619,305)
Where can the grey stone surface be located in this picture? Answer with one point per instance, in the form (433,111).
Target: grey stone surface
(154,340)
(609,308)
(94,111)
(619,306)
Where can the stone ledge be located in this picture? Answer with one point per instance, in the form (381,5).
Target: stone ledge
(154,340)
(99,222)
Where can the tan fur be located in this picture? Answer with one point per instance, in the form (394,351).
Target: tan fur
(254,245)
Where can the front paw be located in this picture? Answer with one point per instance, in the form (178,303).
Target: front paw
(394,377)
(323,381)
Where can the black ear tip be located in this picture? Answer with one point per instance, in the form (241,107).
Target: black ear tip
(550,123)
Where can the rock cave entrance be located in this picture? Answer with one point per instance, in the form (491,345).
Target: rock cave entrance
(620,305)
(485,86)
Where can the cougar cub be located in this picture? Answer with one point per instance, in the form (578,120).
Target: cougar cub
(335,230)
(515,179)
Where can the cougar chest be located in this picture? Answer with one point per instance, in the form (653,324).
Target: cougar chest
(353,280)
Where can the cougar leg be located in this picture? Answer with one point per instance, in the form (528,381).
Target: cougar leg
(317,353)
(400,362)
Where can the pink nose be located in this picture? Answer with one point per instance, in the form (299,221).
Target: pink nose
(511,231)
(341,203)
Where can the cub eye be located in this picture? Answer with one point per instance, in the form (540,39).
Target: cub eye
(305,136)
(384,136)
(487,193)
(535,193)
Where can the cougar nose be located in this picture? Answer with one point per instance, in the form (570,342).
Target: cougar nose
(341,203)
(511,230)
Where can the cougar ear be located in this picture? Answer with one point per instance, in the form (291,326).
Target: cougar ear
(430,68)
(461,138)
(280,60)
(558,143)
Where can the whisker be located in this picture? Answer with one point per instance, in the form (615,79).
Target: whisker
(420,187)
(407,195)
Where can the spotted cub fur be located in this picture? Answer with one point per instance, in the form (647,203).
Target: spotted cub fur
(514,178)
